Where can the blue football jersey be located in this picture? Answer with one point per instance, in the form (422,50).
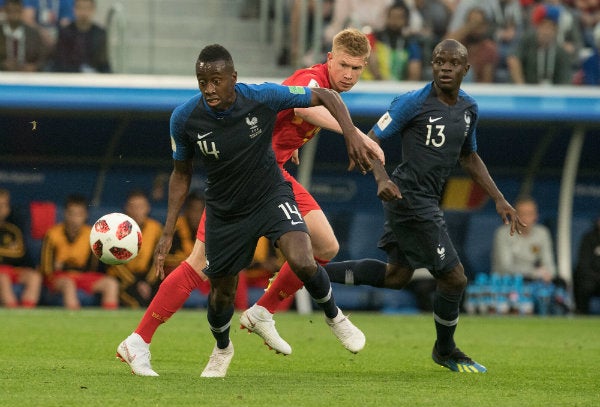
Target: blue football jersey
(235,145)
(433,137)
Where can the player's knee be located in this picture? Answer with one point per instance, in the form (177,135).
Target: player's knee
(221,299)
(303,268)
(455,280)
(328,251)
(396,277)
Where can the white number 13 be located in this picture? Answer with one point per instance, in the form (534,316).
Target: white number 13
(439,139)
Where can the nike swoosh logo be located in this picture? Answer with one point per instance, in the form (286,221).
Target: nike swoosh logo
(432,120)
(200,137)
(296,222)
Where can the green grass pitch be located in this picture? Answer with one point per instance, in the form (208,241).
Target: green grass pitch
(53,357)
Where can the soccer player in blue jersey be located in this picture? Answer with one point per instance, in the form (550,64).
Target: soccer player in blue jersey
(230,124)
(438,128)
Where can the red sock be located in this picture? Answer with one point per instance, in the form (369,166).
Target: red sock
(241,294)
(110,305)
(28,304)
(280,293)
(171,295)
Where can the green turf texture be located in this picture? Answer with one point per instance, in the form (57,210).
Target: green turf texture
(54,357)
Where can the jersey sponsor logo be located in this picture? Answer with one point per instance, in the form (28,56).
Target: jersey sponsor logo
(297,90)
(201,136)
(384,121)
(432,120)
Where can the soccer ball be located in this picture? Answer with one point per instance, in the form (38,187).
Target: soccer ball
(115,238)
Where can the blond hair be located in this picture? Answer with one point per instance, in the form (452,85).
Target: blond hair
(353,42)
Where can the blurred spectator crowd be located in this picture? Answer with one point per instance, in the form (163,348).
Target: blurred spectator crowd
(52,36)
(509,41)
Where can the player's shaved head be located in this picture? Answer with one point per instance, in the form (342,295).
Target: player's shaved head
(451,45)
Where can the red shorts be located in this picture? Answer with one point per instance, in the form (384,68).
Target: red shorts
(83,280)
(304,199)
(11,271)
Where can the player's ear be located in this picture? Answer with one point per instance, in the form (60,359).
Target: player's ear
(234,76)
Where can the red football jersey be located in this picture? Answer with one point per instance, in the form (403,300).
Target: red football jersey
(291,132)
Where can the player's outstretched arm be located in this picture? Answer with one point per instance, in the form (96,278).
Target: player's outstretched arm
(475,167)
(320,116)
(387,190)
(179,185)
(360,151)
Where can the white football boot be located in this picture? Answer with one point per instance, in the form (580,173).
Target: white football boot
(259,320)
(136,353)
(219,361)
(349,335)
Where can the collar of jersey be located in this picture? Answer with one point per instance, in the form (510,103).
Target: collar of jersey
(217,115)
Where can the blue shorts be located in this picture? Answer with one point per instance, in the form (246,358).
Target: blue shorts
(419,241)
(231,242)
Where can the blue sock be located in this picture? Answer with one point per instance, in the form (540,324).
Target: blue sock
(445,314)
(357,272)
(319,288)
(219,324)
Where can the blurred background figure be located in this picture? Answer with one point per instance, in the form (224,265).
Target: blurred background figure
(539,58)
(569,33)
(308,56)
(395,53)
(68,264)
(586,278)
(82,45)
(509,26)
(589,73)
(435,16)
(137,278)
(185,230)
(476,33)
(21,47)
(47,16)
(365,15)
(530,255)
(587,14)
(13,269)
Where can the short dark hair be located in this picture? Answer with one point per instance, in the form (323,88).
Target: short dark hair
(136,193)
(76,199)
(215,52)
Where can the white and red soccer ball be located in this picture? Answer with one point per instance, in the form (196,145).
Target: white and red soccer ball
(115,238)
